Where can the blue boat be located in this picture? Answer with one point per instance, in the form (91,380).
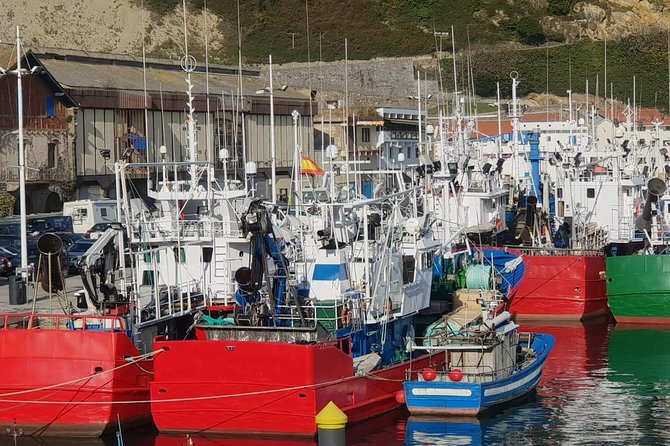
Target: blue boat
(488,362)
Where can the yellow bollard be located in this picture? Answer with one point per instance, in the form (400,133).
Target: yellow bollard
(331,424)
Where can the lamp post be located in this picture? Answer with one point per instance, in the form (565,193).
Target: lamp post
(223,156)
(297,171)
(19,72)
(273,159)
(331,153)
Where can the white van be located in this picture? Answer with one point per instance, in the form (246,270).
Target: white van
(86,213)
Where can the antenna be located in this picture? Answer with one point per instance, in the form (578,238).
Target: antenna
(188,64)
(208,122)
(293,34)
(146,112)
(309,68)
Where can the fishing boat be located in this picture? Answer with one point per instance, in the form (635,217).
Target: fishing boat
(87,370)
(292,343)
(637,284)
(62,374)
(488,362)
(514,221)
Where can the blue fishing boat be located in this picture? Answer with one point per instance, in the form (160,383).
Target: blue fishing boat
(488,362)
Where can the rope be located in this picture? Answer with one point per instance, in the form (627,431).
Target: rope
(198,398)
(130,361)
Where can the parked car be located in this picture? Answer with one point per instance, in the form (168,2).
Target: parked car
(68,238)
(76,250)
(8,262)
(97,230)
(13,243)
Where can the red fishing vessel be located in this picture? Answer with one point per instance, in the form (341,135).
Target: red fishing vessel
(544,284)
(65,375)
(256,388)
(270,363)
(560,284)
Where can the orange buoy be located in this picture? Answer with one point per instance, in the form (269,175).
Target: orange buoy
(400,397)
(456,375)
(428,374)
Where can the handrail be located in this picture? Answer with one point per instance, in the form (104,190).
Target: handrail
(33,320)
(539,250)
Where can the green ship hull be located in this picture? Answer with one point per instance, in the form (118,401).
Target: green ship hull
(638,288)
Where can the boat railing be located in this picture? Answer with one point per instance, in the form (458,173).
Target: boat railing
(343,344)
(483,373)
(184,230)
(31,321)
(172,300)
(542,251)
(346,310)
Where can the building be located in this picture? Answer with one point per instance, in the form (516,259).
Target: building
(95,109)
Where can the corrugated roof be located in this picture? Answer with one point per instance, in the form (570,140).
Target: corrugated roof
(105,73)
(81,75)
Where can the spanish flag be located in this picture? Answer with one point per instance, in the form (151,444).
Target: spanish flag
(310,167)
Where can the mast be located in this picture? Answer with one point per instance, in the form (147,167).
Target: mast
(146,112)
(240,96)
(273,156)
(22,162)
(188,65)
(208,122)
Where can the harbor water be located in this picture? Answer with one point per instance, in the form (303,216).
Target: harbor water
(604,384)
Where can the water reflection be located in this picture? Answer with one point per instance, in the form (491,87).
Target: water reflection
(639,373)
(602,385)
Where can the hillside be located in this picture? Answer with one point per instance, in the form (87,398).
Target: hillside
(641,58)
(374,28)
(502,35)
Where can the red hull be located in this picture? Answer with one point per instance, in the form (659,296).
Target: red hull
(257,388)
(79,389)
(558,287)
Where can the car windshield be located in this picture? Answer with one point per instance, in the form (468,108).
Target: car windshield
(81,245)
(7,252)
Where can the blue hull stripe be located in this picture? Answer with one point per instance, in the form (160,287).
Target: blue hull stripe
(472,398)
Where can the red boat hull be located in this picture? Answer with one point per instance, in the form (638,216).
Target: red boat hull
(61,382)
(265,388)
(560,287)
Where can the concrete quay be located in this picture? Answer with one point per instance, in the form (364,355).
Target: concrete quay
(42,302)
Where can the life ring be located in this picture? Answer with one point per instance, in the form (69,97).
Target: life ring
(499,224)
(637,211)
(345,317)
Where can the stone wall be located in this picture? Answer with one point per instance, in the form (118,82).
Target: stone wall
(371,83)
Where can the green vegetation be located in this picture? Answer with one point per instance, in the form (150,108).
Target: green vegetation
(560,7)
(569,66)
(373,28)
(530,31)
(389,28)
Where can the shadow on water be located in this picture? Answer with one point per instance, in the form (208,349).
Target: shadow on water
(602,385)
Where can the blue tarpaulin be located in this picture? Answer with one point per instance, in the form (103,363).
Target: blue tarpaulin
(504,264)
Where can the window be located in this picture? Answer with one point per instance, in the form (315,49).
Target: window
(590,193)
(408,267)
(365,134)
(51,155)
(559,192)
(207,254)
(427,259)
(103,212)
(51,107)
(179,254)
(147,257)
